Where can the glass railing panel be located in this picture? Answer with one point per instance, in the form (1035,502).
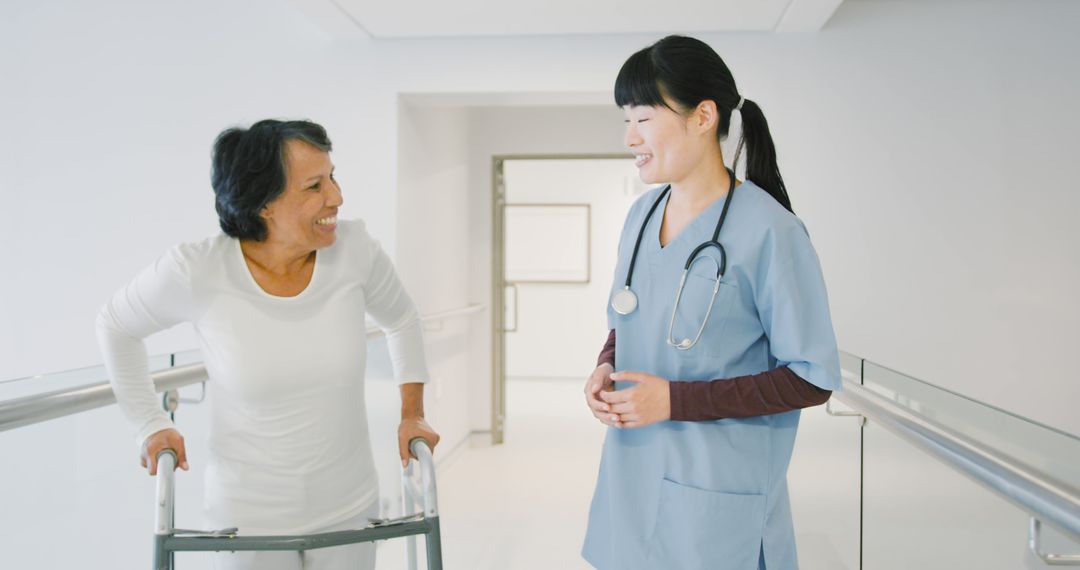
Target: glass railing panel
(921,513)
(73,495)
(850,367)
(1051,451)
(71,498)
(184,357)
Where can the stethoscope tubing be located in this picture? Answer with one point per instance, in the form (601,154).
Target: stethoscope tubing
(641,233)
(627,305)
(715,241)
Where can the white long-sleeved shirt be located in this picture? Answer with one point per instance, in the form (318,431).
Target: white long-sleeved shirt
(288,435)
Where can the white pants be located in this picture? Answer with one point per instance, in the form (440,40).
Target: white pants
(360,556)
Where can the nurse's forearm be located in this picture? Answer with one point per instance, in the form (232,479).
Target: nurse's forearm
(607,355)
(412,400)
(771,392)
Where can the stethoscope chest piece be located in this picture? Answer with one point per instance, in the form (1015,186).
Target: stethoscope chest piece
(624,301)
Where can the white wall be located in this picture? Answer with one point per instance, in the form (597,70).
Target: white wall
(949,242)
(433,242)
(111,110)
(985,271)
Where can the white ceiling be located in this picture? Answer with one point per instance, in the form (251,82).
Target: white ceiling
(473,18)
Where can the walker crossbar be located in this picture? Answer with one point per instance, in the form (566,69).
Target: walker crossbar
(293,542)
(168,540)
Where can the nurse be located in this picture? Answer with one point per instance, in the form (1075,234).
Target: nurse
(720,333)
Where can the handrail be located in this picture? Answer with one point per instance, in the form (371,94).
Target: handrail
(47,406)
(376,332)
(65,402)
(1044,497)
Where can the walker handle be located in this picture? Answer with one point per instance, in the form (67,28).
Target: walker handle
(163,506)
(419,447)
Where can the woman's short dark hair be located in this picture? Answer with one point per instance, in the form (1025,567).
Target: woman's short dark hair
(249,171)
(686,71)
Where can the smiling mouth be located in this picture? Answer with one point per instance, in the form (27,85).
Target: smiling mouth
(332,220)
(641,159)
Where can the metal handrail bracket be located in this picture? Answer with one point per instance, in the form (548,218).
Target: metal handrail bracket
(38,408)
(842,413)
(1034,532)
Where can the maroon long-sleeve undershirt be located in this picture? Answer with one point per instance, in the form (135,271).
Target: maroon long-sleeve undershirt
(770,392)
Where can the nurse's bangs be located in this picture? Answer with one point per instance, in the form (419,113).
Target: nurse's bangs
(638,83)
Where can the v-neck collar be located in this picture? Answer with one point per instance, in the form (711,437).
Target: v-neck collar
(711,212)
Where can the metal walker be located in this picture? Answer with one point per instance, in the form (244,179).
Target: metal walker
(169,540)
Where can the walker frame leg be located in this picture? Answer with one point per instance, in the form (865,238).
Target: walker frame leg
(163,559)
(433,540)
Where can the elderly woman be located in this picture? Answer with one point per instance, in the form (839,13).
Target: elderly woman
(278,305)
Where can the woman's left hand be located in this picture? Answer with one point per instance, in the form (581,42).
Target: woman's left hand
(647,403)
(410,429)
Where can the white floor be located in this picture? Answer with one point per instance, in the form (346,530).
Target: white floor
(523,504)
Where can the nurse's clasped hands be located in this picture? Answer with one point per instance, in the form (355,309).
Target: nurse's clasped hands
(647,403)
(600,380)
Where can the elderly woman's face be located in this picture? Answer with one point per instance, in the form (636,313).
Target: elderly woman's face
(305,214)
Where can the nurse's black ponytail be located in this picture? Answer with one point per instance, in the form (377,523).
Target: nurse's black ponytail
(761,165)
(688,72)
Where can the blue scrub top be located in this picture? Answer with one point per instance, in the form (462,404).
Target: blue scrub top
(712,494)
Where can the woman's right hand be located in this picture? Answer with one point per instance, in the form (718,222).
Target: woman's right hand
(164,439)
(600,379)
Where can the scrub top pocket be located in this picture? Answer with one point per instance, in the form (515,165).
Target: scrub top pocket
(694,305)
(699,529)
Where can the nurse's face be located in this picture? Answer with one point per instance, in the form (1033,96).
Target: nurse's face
(304,216)
(665,147)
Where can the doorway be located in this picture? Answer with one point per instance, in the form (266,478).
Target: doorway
(556,226)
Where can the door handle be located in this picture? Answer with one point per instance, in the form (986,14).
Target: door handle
(515,311)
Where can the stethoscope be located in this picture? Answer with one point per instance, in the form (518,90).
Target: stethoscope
(625,301)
